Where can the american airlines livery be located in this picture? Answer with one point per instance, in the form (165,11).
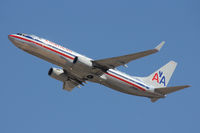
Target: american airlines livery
(77,68)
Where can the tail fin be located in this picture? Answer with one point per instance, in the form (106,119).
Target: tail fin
(161,77)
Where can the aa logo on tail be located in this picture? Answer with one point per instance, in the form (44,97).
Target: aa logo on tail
(159,78)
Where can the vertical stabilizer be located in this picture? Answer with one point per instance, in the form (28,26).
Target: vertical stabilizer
(161,77)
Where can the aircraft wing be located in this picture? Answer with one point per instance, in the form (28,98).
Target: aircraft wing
(73,82)
(109,63)
(69,85)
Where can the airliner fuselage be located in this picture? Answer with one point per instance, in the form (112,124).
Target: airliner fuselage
(77,68)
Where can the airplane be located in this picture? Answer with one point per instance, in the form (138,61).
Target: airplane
(77,69)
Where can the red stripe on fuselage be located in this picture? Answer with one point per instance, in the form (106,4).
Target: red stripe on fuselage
(126,81)
(72,58)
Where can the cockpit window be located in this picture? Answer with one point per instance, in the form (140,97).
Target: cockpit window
(36,38)
(21,34)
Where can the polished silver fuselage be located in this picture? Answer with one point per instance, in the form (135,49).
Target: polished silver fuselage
(81,68)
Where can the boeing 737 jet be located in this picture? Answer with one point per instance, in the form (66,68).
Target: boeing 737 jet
(77,68)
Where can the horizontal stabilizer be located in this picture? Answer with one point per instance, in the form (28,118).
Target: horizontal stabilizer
(168,90)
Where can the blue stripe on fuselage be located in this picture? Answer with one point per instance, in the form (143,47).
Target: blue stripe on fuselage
(29,37)
(128,79)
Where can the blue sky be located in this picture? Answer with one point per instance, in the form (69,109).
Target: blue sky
(32,102)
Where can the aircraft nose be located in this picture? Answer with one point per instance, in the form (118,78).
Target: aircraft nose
(10,37)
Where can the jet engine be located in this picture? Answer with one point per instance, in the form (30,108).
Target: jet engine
(84,62)
(58,74)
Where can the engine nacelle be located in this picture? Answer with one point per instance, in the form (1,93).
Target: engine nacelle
(84,61)
(58,74)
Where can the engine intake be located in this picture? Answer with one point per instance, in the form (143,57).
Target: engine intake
(58,74)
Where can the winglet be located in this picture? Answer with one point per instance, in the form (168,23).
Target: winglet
(160,46)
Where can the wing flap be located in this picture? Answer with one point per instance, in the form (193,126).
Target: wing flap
(113,62)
